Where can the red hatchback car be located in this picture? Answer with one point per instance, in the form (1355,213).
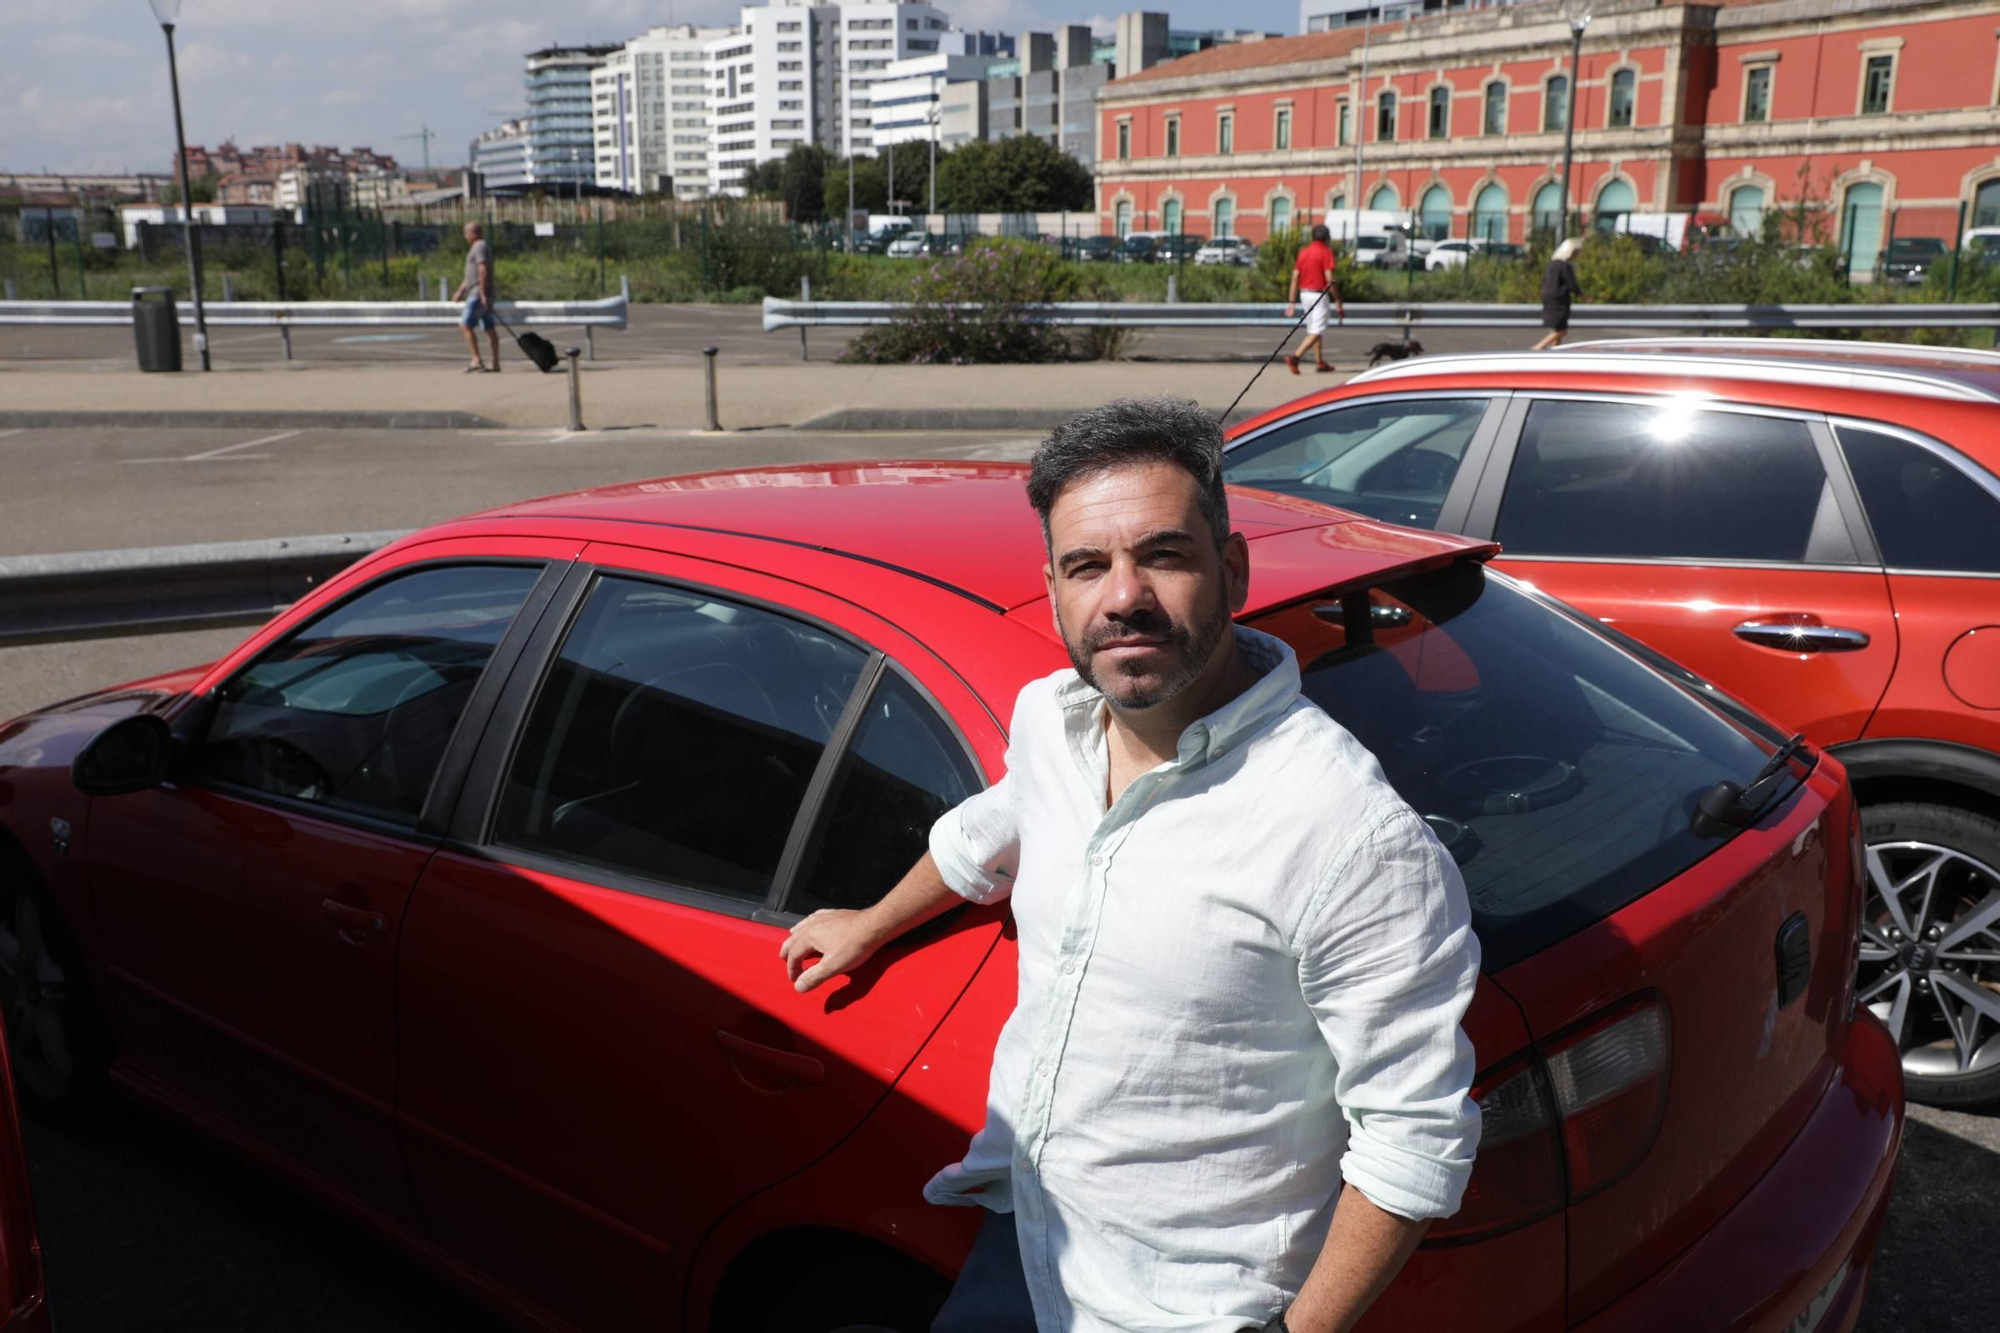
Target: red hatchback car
(1813,526)
(454,895)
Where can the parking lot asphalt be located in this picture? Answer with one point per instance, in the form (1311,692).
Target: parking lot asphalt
(148,1227)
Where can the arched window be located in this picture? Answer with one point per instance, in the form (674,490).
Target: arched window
(1555,102)
(1861,226)
(1440,112)
(1170,216)
(1123,216)
(1489,213)
(1746,210)
(1624,92)
(1986,204)
(1435,213)
(1384,198)
(1337,204)
(1616,198)
(1496,108)
(1547,211)
(1280,214)
(1385,116)
(1223,213)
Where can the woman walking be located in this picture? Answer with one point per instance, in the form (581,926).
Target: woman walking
(1559,288)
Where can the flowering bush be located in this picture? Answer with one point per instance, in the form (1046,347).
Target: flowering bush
(1006,280)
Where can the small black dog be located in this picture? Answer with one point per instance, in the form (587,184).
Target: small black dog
(1388,351)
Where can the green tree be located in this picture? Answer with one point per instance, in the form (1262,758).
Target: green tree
(871,187)
(802,182)
(201,187)
(766,180)
(1018,174)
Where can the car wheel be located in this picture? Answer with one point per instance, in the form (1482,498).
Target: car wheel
(843,1297)
(1930,946)
(56,1038)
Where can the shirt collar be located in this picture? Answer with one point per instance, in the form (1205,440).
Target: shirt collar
(1277,685)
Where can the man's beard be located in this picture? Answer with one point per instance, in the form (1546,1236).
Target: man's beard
(1187,648)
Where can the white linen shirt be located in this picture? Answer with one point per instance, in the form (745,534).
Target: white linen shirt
(1240,985)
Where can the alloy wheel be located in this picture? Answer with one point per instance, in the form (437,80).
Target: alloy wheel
(1930,956)
(36,998)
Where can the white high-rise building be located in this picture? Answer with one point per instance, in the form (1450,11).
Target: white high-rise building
(904,102)
(649,113)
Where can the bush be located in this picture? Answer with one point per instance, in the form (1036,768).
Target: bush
(1006,279)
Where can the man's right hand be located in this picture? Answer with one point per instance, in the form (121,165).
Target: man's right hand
(841,940)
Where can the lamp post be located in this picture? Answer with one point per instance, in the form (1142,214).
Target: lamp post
(935,113)
(166,11)
(1360,130)
(1578,13)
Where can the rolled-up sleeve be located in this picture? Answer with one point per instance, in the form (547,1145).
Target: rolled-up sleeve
(977,844)
(1388,963)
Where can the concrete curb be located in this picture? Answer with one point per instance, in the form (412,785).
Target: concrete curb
(195,419)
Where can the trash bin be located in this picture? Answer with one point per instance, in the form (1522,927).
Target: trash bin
(156,328)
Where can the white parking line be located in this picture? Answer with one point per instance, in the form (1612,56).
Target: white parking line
(16,431)
(225,451)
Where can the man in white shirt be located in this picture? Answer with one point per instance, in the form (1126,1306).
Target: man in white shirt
(1234,1088)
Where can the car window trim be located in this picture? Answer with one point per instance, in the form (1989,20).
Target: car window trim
(1945,453)
(429,824)
(1484,519)
(471,832)
(1847,496)
(1458,496)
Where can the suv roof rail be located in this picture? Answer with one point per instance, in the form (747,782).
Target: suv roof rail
(1769,369)
(1971,356)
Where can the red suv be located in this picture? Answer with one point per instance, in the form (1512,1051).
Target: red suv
(1814,526)
(455,895)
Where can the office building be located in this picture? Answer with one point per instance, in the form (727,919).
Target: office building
(649,113)
(561,152)
(908,98)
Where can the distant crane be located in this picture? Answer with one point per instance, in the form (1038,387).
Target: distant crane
(426,134)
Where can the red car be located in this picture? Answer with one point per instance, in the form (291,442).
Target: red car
(455,894)
(1813,526)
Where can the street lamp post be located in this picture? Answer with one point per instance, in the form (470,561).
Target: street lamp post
(934,133)
(166,11)
(1578,13)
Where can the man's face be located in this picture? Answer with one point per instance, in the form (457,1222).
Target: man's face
(1142,597)
(471,233)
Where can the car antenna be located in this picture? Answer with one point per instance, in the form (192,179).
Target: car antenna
(1273,356)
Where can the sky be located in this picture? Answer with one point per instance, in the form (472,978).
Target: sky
(83,83)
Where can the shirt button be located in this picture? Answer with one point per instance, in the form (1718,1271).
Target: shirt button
(1069,969)
(1042,1069)
(1098,859)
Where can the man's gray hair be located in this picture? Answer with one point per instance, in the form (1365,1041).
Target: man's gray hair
(1130,431)
(477,229)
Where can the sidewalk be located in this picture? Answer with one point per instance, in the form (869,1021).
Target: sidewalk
(749,397)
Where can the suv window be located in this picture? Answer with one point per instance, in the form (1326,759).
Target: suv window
(1389,460)
(674,737)
(1559,771)
(1927,514)
(353,711)
(1663,481)
(903,770)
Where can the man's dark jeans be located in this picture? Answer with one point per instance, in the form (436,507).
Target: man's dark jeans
(992,1293)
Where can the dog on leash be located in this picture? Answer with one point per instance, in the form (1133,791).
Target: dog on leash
(1392,351)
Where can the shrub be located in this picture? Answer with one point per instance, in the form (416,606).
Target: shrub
(1006,279)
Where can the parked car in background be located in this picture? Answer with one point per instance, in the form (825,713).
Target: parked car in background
(455,893)
(935,243)
(1909,258)
(1981,246)
(1141,247)
(1090,249)
(1453,254)
(910,244)
(1384,250)
(1177,248)
(1810,525)
(1226,250)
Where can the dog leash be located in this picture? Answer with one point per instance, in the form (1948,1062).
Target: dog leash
(1299,324)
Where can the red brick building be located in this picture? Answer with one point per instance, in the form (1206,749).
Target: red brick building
(1884,115)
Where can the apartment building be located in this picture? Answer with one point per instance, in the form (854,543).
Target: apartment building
(561,151)
(906,103)
(649,113)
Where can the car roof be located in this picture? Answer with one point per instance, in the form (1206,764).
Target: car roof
(1952,373)
(965,526)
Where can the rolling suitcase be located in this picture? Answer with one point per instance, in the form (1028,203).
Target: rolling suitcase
(533,345)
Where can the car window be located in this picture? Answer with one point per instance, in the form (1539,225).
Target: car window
(1662,480)
(1926,513)
(1390,460)
(353,711)
(674,737)
(903,770)
(1560,772)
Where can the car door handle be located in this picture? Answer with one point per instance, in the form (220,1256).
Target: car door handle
(353,918)
(1801,637)
(785,1064)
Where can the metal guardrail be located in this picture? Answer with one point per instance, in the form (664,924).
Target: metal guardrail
(612,312)
(156,589)
(781,314)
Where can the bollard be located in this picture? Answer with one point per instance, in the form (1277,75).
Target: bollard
(1173,288)
(423,288)
(806,295)
(708,354)
(10,289)
(575,390)
(625,288)
(285,332)
(228,288)
(590,341)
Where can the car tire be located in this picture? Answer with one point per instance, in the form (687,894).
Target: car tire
(1930,946)
(57,1040)
(845,1297)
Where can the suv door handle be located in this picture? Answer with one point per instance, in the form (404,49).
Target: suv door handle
(788,1065)
(1795,636)
(353,918)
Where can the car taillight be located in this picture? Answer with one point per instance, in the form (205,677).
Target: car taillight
(1563,1121)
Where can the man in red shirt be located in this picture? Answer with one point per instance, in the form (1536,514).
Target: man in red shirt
(1312,279)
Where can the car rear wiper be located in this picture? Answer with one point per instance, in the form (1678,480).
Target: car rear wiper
(1727,805)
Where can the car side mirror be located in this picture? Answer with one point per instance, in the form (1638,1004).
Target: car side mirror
(132,754)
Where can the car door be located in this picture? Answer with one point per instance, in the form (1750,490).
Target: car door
(1413,459)
(602,1052)
(251,907)
(1719,535)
